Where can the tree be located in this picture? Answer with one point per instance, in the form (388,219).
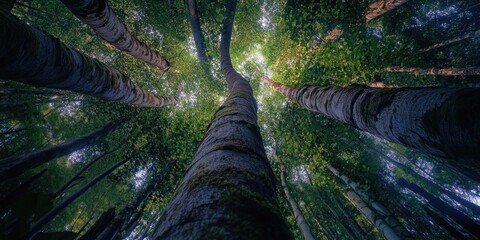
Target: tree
(451,41)
(436,121)
(297,212)
(101,18)
(13,166)
(436,71)
(31,56)
(380,7)
(194,19)
(228,190)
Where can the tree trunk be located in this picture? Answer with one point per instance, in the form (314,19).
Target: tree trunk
(297,213)
(444,224)
(197,33)
(378,207)
(7,5)
(33,57)
(332,35)
(436,71)
(17,192)
(462,219)
(14,166)
(98,227)
(228,191)
(380,7)
(50,215)
(471,206)
(436,121)
(77,176)
(379,223)
(101,18)
(452,41)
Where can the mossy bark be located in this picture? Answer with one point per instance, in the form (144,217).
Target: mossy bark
(443,122)
(228,190)
(33,57)
(101,18)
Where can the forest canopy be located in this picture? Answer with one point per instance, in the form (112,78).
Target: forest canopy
(271,119)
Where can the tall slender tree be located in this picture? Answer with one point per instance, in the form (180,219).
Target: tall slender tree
(33,57)
(436,121)
(100,17)
(451,41)
(436,71)
(228,190)
(13,166)
(380,7)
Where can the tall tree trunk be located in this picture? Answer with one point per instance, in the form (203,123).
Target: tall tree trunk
(332,35)
(33,57)
(50,215)
(197,33)
(78,176)
(436,121)
(379,223)
(7,5)
(14,166)
(378,207)
(436,71)
(452,41)
(18,191)
(471,206)
(297,213)
(228,190)
(462,219)
(101,18)
(380,7)
(99,226)
(444,224)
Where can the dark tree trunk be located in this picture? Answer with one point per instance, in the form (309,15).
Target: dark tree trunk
(443,122)
(14,166)
(228,191)
(33,57)
(101,18)
(17,192)
(7,5)
(50,215)
(462,219)
(452,41)
(444,224)
(99,226)
(197,33)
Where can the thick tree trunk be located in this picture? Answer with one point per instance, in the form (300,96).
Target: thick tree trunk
(452,41)
(378,207)
(380,7)
(50,215)
(436,71)
(18,191)
(14,166)
(33,57)
(101,18)
(462,219)
(297,213)
(99,226)
(444,224)
(228,191)
(379,223)
(442,122)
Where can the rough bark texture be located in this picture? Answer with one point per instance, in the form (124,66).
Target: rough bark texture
(462,219)
(452,41)
(50,215)
(297,212)
(378,207)
(13,166)
(436,71)
(228,190)
(33,57)
(101,18)
(380,7)
(379,223)
(443,122)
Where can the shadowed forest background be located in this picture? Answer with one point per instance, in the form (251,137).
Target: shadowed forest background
(345,183)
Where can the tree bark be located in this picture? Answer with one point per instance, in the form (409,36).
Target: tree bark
(228,191)
(98,15)
(197,33)
(50,215)
(452,41)
(297,213)
(98,227)
(380,7)
(36,58)
(462,219)
(378,207)
(436,71)
(444,224)
(14,166)
(443,122)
